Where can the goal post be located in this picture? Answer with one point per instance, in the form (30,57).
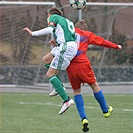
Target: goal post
(101,4)
(26,3)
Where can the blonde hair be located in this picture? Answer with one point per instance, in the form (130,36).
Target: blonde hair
(82,25)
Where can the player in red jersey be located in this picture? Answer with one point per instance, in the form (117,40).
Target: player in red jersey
(80,71)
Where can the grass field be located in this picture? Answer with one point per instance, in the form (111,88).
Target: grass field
(38,113)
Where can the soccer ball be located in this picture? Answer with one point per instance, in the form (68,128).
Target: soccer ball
(77,4)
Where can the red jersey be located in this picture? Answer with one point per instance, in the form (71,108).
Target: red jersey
(80,70)
(85,39)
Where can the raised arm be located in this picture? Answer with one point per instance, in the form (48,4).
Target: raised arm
(98,40)
(28,30)
(44,31)
(110,44)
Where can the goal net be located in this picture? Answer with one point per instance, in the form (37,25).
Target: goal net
(21,55)
(114,22)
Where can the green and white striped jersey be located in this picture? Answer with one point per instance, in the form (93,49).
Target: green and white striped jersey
(64,30)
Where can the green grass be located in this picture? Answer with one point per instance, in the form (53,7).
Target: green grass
(38,113)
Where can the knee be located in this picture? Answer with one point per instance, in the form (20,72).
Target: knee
(51,73)
(95,87)
(76,91)
(48,74)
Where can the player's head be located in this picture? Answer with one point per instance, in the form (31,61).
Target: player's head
(82,25)
(55,10)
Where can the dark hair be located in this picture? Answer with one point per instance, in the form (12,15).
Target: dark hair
(82,25)
(55,10)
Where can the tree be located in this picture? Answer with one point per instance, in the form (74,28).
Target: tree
(116,57)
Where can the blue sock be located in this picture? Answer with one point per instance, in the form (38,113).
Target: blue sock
(101,100)
(80,106)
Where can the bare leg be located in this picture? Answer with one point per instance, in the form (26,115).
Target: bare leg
(47,58)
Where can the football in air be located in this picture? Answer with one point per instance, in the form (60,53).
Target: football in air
(77,4)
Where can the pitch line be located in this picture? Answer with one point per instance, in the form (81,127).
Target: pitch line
(59,105)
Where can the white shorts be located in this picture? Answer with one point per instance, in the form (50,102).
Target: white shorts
(63,54)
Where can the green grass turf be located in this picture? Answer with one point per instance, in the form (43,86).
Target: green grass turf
(38,113)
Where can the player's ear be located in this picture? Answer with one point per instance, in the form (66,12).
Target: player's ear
(49,14)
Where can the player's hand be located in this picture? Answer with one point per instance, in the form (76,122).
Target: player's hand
(52,42)
(28,30)
(119,47)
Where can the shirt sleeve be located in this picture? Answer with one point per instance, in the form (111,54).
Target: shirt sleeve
(97,40)
(109,44)
(44,31)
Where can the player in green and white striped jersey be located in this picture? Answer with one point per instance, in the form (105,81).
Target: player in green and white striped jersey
(63,32)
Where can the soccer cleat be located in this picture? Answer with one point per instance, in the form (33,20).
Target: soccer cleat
(110,110)
(66,105)
(55,93)
(85,125)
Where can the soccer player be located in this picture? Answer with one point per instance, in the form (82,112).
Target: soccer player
(66,48)
(80,71)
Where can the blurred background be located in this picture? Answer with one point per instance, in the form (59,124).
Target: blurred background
(21,55)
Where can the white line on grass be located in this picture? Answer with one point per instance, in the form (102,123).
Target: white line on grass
(46,103)
(45,94)
(59,105)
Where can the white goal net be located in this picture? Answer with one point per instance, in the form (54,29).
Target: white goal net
(21,55)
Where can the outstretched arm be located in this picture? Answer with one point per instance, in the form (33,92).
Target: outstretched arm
(110,44)
(98,40)
(28,30)
(44,31)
